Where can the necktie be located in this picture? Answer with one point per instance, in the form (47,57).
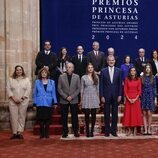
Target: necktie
(142,59)
(79,58)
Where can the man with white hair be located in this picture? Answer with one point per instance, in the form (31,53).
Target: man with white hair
(140,62)
(96,57)
(111,51)
(69,88)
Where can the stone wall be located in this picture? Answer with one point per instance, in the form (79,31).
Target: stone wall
(19,44)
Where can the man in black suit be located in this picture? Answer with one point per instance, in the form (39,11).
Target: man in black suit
(96,57)
(80,62)
(111,51)
(140,62)
(110,93)
(47,59)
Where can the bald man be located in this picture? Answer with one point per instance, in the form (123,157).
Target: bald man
(69,88)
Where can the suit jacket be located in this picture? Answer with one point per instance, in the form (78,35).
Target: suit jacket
(98,63)
(108,89)
(51,62)
(138,65)
(44,97)
(19,88)
(66,90)
(154,70)
(80,67)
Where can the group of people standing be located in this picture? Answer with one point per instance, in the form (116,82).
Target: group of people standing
(86,81)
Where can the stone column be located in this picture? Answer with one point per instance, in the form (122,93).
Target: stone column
(19,39)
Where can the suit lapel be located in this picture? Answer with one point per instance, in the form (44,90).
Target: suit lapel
(66,80)
(115,73)
(108,75)
(72,81)
(42,86)
(94,57)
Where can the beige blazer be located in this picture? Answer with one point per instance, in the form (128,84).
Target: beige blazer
(18,88)
(66,90)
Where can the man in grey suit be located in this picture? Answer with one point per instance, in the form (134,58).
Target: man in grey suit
(69,88)
(96,57)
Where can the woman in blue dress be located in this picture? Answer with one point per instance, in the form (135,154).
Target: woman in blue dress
(148,98)
(126,66)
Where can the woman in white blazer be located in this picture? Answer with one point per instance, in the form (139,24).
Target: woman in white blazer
(18,88)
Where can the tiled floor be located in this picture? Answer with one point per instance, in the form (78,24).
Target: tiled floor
(33,147)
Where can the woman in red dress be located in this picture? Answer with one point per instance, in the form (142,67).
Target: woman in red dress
(132,113)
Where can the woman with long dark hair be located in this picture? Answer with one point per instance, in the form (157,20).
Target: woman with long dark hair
(63,59)
(90,97)
(148,98)
(132,92)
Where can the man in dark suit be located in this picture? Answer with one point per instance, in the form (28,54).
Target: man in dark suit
(154,62)
(96,57)
(140,62)
(47,59)
(111,51)
(110,93)
(69,88)
(80,62)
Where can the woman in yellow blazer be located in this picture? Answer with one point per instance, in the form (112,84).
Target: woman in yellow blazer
(18,88)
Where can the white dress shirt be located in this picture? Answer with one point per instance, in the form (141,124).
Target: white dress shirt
(111,73)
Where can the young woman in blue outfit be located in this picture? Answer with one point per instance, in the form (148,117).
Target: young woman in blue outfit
(149,99)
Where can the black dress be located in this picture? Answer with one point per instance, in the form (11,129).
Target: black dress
(44,112)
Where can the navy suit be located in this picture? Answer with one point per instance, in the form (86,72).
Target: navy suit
(110,91)
(98,62)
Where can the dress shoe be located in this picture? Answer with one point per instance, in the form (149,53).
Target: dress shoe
(145,133)
(20,136)
(64,135)
(107,135)
(14,136)
(114,134)
(41,136)
(47,136)
(91,135)
(149,133)
(76,135)
(87,134)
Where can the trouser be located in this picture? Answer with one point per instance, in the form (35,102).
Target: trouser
(18,117)
(44,128)
(93,119)
(111,104)
(74,117)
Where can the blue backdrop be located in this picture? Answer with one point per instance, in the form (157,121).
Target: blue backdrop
(69,23)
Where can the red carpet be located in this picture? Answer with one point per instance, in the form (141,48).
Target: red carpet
(33,147)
